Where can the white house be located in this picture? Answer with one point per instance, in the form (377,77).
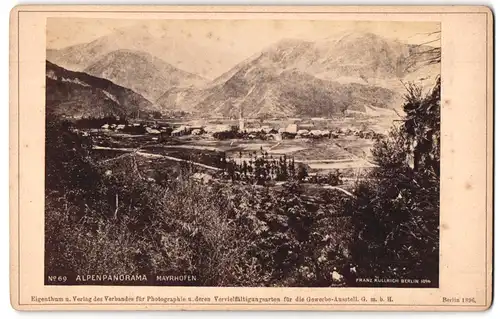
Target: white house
(152,130)
(180,130)
(316,133)
(325,133)
(217,128)
(303,132)
(201,177)
(291,128)
(266,129)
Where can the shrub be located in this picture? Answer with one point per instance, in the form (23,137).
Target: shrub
(396,214)
(108,218)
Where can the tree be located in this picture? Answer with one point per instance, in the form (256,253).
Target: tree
(421,126)
(425,53)
(157,115)
(69,168)
(396,214)
(259,171)
(302,172)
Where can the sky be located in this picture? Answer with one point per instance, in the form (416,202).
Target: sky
(63,32)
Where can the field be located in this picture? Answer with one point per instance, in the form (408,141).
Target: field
(348,154)
(163,156)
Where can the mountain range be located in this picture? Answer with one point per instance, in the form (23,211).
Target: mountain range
(264,92)
(305,78)
(77,94)
(197,56)
(141,72)
(357,71)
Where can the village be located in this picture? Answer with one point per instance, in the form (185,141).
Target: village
(317,152)
(275,132)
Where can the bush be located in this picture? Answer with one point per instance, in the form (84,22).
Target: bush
(396,214)
(108,218)
(135,130)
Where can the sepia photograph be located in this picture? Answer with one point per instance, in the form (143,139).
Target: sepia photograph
(242,153)
(314,158)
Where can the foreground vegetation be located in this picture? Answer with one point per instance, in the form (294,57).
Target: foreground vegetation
(105,216)
(108,218)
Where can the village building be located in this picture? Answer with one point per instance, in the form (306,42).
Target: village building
(241,124)
(201,177)
(191,128)
(181,130)
(223,127)
(152,131)
(266,129)
(273,137)
(325,133)
(291,128)
(316,133)
(253,130)
(196,132)
(302,133)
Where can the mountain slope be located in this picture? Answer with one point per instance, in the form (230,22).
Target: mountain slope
(263,92)
(357,71)
(181,51)
(363,58)
(141,72)
(77,94)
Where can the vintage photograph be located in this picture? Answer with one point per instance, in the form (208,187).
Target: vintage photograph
(242,153)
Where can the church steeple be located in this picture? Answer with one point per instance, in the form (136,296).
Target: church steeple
(242,120)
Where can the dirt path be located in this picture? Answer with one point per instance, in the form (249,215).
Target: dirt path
(151,155)
(274,146)
(339,189)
